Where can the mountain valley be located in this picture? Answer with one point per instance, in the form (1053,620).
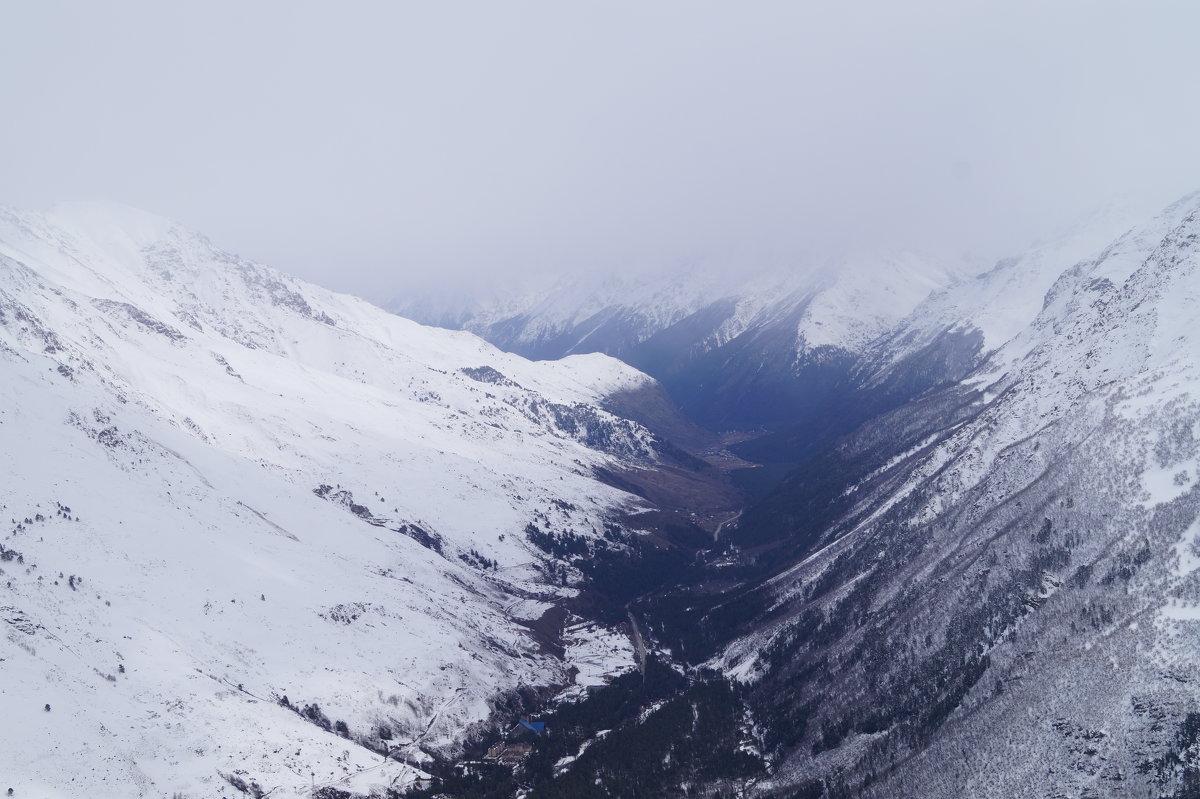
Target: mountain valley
(268,539)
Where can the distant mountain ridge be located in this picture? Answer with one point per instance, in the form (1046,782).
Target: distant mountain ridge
(733,351)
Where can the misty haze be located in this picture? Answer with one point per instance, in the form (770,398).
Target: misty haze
(567,401)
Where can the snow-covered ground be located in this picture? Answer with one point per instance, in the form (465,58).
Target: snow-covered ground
(239,488)
(599,653)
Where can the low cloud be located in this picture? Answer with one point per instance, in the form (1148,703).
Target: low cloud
(371,146)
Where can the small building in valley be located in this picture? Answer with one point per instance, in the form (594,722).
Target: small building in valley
(507,753)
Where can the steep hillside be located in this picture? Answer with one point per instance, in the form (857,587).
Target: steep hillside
(1006,604)
(259,532)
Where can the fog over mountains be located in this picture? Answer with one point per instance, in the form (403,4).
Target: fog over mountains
(388,146)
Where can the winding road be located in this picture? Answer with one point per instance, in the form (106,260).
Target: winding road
(635,635)
(721,526)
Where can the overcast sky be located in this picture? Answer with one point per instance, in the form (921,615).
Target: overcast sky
(356,143)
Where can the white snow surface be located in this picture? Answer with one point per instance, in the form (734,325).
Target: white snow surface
(599,653)
(168,412)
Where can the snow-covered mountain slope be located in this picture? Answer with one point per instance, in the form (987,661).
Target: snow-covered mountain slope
(733,349)
(943,339)
(1006,604)
(241,510)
